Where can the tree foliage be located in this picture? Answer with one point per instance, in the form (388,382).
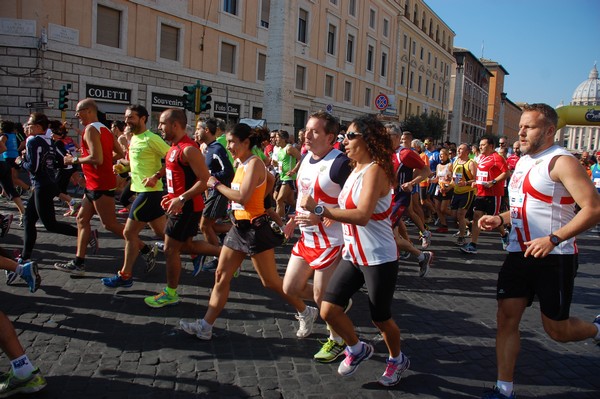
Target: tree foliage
(425,125)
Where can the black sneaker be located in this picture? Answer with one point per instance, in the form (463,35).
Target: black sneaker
(425,263)
(70,267)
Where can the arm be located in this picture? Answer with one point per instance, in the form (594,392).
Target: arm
(372,190)
(193,156)
(92,139)
(226,173)
(2,143)
(255,174)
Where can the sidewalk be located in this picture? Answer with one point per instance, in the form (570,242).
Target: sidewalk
(94,342)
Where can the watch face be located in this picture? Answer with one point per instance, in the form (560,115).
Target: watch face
(554,239)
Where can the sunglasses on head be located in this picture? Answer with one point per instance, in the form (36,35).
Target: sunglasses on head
(352,135)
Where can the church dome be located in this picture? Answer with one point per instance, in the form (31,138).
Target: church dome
(588,92)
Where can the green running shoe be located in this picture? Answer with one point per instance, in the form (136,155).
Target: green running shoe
(11,385)
(162,299)
(330,351)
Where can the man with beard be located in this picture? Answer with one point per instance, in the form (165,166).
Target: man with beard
(186,174)
(542,255)
(146,150)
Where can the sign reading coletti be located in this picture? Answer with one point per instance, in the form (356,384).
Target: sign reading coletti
(105,93)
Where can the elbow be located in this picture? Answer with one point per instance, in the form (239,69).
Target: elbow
(362,221)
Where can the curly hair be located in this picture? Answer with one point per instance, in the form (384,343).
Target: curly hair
(378,140)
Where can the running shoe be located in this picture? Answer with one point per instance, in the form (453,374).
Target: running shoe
(467,233)
(31,275)
(73,209)
(469,248)
(70,267)
(195,328)
(349,365)
(210,266)
(21,218)
(404,255)
(94,241)
(198,263)
(150,257)
(425,239)
(123,211)
(393,371)
(11,384)
(162,299)
(425,264)
(117,281)
(494,393)
(460,241)
(504,240)
(597,323)
(5,224)
(330,351)
(10,277)
(160,245)
(307,322)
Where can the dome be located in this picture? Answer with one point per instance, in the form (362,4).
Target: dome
(588,92)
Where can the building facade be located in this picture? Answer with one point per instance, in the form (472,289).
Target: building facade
(264,59)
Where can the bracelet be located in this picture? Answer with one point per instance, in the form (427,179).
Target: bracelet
(214,187)
(502,223)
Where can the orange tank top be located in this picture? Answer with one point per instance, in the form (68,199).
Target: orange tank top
(255,205)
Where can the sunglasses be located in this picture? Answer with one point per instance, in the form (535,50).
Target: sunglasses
(352,135)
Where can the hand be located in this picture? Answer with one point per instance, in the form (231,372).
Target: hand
(407,187)
(307,219)
(539,248)
(487,222)
(68,159)
(211,182)
(288,229)
(308,202)
(150,181)
(119,168)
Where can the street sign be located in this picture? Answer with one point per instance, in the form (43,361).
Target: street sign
(381,102)
(37,104)
(329,108)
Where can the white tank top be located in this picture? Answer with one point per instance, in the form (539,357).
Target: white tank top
(372,244)
(538,205)
(315,179)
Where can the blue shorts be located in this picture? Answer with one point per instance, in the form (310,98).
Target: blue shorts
(146,207)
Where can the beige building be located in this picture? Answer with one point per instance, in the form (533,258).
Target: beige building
(272,59)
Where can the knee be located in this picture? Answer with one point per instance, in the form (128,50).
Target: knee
(273,284)
(329,312)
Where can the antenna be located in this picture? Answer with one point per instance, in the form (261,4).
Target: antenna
(482,47)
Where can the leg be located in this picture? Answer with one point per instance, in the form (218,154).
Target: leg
(229,261)
(207,226)
(475,227)
(391,336)
(334,316)
(295,281)
(30,231)
(173,260)
(508,339)
(132,244)
(9,342)
(84,217)
(105,207)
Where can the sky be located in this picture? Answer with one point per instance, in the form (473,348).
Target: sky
(548,47)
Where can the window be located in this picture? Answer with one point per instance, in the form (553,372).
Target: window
(348,91)
(302,25)
(300,77)
(410,80)
(370,51)
(414,48)
(402,75)
(367,97)
(230,6)
(265,12)
(331,39)
(169,42)
(419,84)
(433,91)
(383,64)
(350,49)
(372,18)
(334,2)
(227,58)
(328,86)
(261,68)
(386,28)
(108,27)
(428,58)
(405,42)
(422,53)
(427,87)
(300,118)
(352,8)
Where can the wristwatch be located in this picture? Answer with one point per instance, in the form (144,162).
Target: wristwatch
(75,159)
(319,210)
(555,240)
(494,181)
(182,198)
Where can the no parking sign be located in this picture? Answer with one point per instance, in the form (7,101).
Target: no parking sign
(381,102)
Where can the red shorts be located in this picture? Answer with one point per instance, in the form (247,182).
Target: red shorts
(317,258)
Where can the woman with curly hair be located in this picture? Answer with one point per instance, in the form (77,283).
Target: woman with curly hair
(369,255)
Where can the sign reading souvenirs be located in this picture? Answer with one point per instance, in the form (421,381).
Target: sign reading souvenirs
(105,93)
(166,101)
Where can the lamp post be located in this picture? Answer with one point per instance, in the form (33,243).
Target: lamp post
(455,131)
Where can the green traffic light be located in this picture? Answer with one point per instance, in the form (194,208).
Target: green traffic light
(63,98)
(205,98)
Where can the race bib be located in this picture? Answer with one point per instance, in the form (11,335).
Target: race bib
(169,176)
(234,205)
(516,210)
(482,177)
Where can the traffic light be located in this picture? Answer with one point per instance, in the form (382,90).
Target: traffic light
(63,97)
(189,98)
(205,99)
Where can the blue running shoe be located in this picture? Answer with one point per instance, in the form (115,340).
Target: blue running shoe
(211,266)
(597,323)
(31,275)
(469,248)
(117,281)
(198,262)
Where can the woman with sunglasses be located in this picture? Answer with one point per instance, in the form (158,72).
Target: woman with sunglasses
(369,255)
(41,161)
(251,233)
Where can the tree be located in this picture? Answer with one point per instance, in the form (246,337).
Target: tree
(425,125)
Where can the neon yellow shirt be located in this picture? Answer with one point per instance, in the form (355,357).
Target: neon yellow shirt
(145,153)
